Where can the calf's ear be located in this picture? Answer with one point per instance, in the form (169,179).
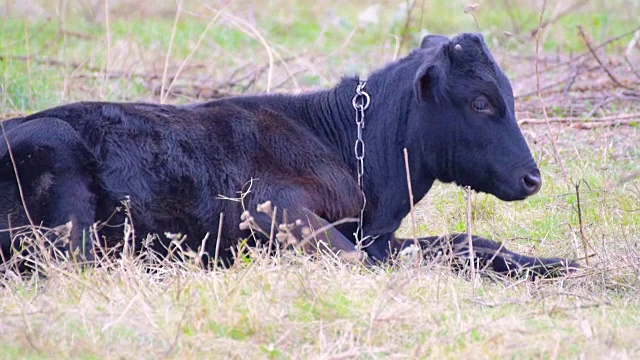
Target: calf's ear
(433,41)
(429,82)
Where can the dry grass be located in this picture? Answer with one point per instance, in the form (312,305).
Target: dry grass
(294,307)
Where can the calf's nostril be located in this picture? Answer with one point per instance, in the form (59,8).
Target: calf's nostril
(532,183)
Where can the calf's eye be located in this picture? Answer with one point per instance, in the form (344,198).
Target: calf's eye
(481,104)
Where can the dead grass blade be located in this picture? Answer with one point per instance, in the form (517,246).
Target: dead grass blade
(552,136)
(163,93)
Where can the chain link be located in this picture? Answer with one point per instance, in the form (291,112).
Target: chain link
(360,102)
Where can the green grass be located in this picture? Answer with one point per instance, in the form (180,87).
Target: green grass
(294,307)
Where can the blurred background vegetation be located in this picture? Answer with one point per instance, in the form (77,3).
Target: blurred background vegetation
(53,52)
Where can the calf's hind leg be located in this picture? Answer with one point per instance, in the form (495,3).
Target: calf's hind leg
(56,172)
(310,232)
(304,227)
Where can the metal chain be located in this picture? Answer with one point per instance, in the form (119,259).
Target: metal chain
(360,102)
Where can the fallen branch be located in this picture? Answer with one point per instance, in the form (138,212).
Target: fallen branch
(631,67)
(53,62)
(79,35)
(627,53)
(602,65)
(595,125)
(552,20)
(559,82)
(626,119)
(582,55)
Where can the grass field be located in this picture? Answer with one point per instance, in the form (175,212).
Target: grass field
(294,307)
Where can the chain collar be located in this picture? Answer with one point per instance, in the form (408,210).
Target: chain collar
(360,102)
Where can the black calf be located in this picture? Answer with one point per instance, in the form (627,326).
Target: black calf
(447,103)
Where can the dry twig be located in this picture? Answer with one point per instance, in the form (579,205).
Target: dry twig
(470,239)
(413,217)
(582,236)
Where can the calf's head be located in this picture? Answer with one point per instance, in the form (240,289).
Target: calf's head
(465,115)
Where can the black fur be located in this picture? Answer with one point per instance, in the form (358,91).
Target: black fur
(78,162)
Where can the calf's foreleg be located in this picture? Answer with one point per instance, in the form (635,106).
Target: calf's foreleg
(488,254)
